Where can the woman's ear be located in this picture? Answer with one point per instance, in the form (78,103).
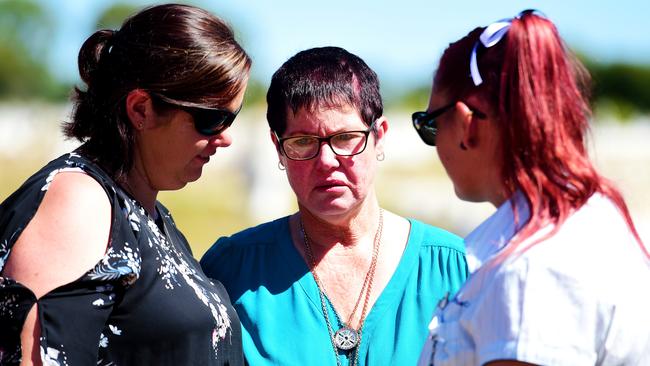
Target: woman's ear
(381,127)
(469,124)
(276,142)
(138,108)
(274,138)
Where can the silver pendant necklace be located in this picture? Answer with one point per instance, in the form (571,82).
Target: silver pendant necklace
(346,338)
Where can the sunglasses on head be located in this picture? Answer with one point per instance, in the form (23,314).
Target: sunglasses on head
(207,121)
(426,125)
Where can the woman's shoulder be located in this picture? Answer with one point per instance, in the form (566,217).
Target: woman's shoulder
(250,239)
(262,234)
(594,251)
(39,181)
(434,236)
(249,248)
(75,162)
(72,192)
(597,231)
(68,212)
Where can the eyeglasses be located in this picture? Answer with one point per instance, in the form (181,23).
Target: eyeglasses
(207,121)
(307,147)
(426,125)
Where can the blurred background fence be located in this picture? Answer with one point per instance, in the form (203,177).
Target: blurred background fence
(242,185)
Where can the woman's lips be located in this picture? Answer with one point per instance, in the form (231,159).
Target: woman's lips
(203,159)
(331,186)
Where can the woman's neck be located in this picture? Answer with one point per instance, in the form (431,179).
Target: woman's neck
(137,184)
(347,231)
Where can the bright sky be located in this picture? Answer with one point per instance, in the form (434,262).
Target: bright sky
(400,39)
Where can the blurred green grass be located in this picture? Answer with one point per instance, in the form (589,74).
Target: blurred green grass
(217,204)
(212,207)
(411,182)
(204,210)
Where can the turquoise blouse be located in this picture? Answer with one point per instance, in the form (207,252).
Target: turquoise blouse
(278,302)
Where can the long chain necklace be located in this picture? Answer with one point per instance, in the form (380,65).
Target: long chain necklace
(347,338)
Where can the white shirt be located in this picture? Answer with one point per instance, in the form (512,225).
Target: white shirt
(580,297)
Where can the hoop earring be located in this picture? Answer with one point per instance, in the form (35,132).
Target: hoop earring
(380,156)
(280,166)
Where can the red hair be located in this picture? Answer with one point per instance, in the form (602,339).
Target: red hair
(539,95)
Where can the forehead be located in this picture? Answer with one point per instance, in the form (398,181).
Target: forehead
(321,120)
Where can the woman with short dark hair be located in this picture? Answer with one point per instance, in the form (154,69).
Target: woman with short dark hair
(94,270)
(342,281)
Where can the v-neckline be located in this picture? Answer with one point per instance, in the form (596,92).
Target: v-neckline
(383,302)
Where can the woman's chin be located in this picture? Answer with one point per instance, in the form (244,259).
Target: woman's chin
(192,176)
(468,196)
(332,208)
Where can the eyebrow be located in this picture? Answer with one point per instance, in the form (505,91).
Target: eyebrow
(302,133)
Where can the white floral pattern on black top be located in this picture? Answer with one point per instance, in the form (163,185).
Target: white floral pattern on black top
(144,302)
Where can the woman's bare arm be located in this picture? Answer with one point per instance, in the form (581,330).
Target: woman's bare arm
(66,238)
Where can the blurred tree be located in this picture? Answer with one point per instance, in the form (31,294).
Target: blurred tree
(115,15)
(618,88)
(25,29)
(26,22)
(256,92)
(623,88)
(415,99)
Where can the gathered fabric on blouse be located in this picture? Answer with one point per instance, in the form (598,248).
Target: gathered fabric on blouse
(279,305)
(146,302)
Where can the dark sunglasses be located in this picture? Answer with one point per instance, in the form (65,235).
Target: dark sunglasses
(207,121)
(426,125)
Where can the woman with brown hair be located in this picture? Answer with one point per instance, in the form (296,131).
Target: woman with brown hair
(508,115)
(94,270)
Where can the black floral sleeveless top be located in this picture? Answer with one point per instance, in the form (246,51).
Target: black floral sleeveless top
(146,302)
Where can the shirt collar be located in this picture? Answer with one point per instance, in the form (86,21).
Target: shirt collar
(493,234)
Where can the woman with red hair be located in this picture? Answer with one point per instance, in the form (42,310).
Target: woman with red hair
(549,269)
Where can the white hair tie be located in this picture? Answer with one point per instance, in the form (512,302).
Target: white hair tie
(490,36)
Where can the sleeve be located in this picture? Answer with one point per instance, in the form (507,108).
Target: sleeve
(531,313)
(71,317)
(455,268)
(217,260)
(15,302)
(74,317)
(444,261)
(237,268)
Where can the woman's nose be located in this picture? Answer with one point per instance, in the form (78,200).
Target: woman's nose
(326,155)
(224,139)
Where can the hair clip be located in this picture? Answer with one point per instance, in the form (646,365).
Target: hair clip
(490,36)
